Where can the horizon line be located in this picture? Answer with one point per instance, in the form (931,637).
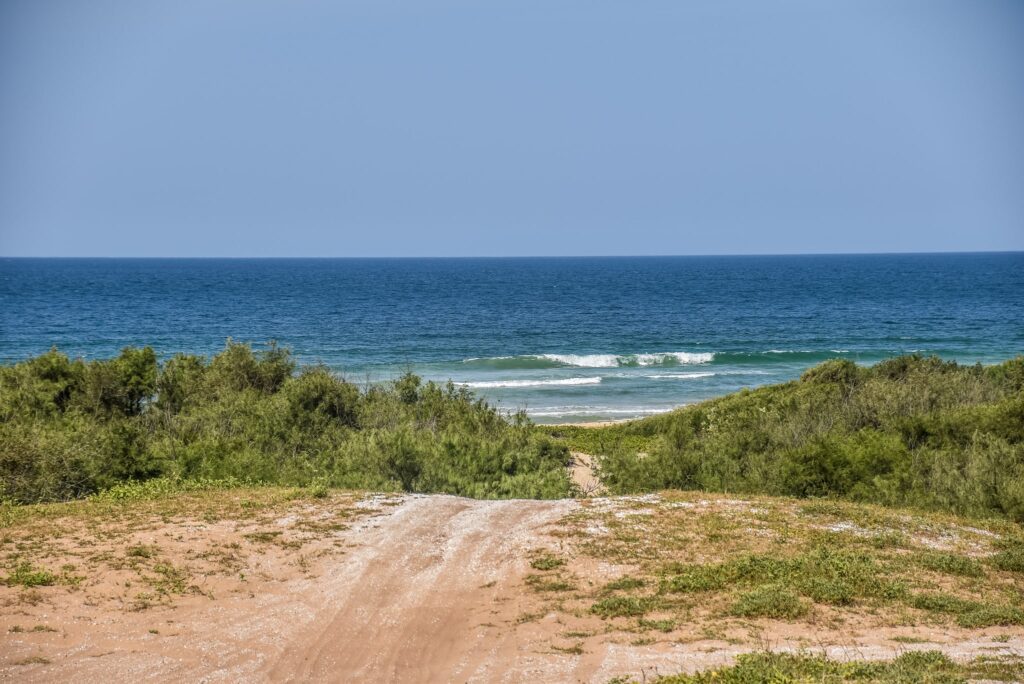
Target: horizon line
(521,256)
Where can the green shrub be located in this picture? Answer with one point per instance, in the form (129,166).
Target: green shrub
(910,431)
(130,426)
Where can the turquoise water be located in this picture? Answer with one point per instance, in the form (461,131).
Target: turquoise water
(565,339)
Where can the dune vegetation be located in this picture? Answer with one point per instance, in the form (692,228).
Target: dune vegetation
(688,566)
(71,428)
(909,431)
(929,667)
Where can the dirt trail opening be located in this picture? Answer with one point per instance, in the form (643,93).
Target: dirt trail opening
(584,476)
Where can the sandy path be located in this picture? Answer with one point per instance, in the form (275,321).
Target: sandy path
(427,589)
(435,580)
(582,473)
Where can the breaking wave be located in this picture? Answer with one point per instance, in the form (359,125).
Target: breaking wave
(532,383)
(591,360)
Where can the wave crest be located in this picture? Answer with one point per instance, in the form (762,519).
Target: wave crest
(592,360)
(531,383)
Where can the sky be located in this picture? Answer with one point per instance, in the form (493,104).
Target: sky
(500,128)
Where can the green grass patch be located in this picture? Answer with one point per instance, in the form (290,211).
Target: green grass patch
(575,649)
(141,551)
(623,606)
(837,577)
(25,574)
(924,667)
(628,437)
(943,603)
(546,562)
(988,615)
(128,492)
(660,625)
(18,629)
(969,613)
(169,579)
(770,601)
(546,583)
(625,584)
(949,563)
(1010,556)
(698,578)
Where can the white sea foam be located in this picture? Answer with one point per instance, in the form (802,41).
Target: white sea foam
(680,357)
(584,360)
(614,360)
(680,376)
(532,383)
(561,411)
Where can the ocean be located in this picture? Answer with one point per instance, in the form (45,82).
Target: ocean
(566,339)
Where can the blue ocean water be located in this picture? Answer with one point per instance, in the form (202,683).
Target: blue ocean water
(567,339)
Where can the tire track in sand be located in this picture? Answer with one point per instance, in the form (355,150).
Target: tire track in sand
(425,596)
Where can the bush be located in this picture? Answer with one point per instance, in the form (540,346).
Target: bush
(72,428)
(910,431)
(119,386)
(316,396)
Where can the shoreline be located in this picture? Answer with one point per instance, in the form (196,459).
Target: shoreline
(591,424)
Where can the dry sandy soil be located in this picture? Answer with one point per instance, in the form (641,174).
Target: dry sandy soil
(386,588)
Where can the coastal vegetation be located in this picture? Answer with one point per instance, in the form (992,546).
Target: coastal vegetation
(694,565)
(931,667)
(910,431)
(72,428)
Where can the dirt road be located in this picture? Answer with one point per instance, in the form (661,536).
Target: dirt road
(421,589)
(426,598)
(425,591)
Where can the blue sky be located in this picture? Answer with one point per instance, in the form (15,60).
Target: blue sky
(370,128)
